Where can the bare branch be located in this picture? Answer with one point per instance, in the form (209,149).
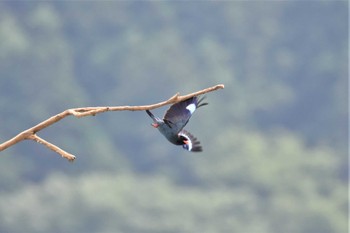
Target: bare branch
(52,147)
(91,111)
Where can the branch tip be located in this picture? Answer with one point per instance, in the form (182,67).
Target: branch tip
(52,147)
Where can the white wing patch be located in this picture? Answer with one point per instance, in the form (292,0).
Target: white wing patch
(191,108)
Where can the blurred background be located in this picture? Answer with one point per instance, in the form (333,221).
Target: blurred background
(275,139)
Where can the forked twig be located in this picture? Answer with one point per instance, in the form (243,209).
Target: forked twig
(31,133)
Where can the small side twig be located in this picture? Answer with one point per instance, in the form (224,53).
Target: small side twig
(31,133)
(52,147)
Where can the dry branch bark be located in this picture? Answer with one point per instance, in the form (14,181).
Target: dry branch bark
(31,133)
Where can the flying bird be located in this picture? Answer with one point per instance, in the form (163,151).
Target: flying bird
(175,119)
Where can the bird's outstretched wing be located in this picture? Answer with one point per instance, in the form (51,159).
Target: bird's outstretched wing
(191,142)
(179,114)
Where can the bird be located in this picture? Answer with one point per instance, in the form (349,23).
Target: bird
(175,119)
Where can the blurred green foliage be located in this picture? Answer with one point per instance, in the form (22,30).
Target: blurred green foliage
(275,139)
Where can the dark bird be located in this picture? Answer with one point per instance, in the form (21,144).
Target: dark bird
(175,119)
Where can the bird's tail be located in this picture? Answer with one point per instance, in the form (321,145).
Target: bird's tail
(155,119)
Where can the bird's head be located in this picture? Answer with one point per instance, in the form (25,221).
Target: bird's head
(187,144)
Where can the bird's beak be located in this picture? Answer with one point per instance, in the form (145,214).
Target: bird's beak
(155,125)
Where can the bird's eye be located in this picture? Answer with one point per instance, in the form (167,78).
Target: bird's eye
(182,138)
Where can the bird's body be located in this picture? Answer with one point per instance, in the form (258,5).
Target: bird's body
(175,119)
